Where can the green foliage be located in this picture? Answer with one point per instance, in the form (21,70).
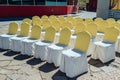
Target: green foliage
(82,3)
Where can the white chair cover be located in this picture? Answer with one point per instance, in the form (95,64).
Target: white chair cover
(73,63)
(72,41)
(104,51)
(99,37)
(54,54)
(91,47)
(41,50)
(27,46)
(5,41)
(16,43)
(117,45)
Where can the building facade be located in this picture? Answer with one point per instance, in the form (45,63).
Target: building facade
(22,8)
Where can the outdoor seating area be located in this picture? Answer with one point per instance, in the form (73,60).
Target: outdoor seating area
(67,42)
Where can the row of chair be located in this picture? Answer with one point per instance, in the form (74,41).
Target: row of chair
(71,61)
(93,32)
(45,50)
(71,22)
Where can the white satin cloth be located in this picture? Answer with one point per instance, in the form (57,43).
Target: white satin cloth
(73,62)
(5,41)
(16,43)
(41,50)
(27,46)
(117,45)
(99,36)
(54,53)
(104,51)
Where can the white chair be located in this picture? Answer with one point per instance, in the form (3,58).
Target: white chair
(92,29)
(16,41)
(41,46)
(54,51)
(5,38)
(27,45)
(74,61)
(105,50)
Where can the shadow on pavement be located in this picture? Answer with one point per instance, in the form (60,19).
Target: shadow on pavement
(34,61)
(59,76)
(21,57)
(98,63)
(62,76)
(10,53)
(117,54)
(47,67)
(2,50)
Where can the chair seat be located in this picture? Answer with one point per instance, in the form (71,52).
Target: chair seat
(7,35)
(5,41)
(16,43)
(28,40)
(41,49)
(55,47)
(54,54)
(18,38)
(105,51)
(103,44)
(42,43)
(73,62)
(27,46)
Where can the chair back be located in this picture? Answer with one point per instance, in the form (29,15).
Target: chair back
(46,24)
(35,17)
(79,27)
(78,20)
(50,34)
(67,24)
(36,21)
(44,17)
(61,18)
(65,35)
(88,20)
(35,32)
(52,17)
(111,34)
(25,27)
(98,20)
(118,21)
(111,20)
(115,25)
(102,26)
(27,20)
(82,41)
(69,18)
(13,28)
(92,28)
(56,25)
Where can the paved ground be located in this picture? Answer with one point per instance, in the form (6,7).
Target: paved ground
(14,66)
